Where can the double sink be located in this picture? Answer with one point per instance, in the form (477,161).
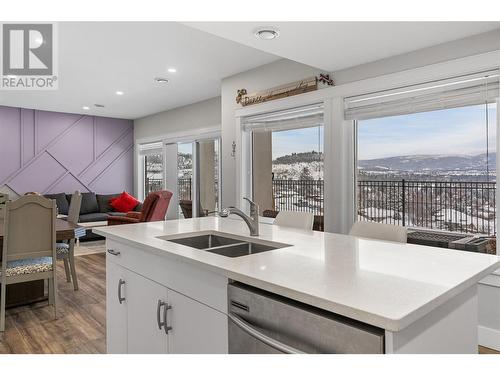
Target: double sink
(223,243)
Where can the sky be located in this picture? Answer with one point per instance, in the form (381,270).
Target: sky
(450,131)
(297,140)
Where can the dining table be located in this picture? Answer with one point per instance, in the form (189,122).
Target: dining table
(34,291)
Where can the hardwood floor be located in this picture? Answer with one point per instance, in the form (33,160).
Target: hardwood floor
(485,350)
(81,326)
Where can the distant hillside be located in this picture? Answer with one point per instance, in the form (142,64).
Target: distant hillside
(422,163)
(301,157)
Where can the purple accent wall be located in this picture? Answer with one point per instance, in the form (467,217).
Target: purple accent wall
(52,152)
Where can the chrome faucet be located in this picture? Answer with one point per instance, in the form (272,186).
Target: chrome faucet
(252,220)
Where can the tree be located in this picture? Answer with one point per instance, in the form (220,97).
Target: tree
(305,174)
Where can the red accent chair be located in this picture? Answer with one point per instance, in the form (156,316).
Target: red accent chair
(154,208)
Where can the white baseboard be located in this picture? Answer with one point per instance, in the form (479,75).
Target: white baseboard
(489,337)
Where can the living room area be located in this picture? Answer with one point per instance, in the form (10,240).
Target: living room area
(177,177)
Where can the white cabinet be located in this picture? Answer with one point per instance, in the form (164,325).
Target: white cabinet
(146,302)
(147,316)
(116,312)
(196,328)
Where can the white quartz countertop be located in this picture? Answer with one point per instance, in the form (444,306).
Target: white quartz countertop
(386,284)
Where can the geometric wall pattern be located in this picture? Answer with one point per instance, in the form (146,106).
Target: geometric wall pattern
(52,152)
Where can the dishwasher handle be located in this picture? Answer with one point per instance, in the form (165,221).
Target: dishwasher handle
(252,331)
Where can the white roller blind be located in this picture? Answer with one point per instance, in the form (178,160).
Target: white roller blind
(295,118)
(455,92)
(151,148)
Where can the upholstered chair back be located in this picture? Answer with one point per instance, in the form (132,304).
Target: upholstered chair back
(30,228)
(74,207)
(155,206)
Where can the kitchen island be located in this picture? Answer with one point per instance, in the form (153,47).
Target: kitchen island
(165,297)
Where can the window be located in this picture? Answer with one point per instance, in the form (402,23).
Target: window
(426,156)
(432,169)
(153,173)
(208,176)
(287,160)
(153,168)
(184,176)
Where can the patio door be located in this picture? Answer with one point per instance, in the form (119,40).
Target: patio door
(193,176)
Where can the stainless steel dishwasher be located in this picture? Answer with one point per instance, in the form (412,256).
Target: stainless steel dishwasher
(261,322)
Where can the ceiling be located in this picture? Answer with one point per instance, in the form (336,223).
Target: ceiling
(333,46)
(97,59)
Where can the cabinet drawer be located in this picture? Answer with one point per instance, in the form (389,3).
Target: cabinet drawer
(117,253)
(199,284)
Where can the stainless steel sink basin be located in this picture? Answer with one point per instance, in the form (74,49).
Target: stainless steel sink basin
(205,241)
(224,244)
(240,249)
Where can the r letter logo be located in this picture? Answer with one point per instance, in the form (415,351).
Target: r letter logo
(28,57)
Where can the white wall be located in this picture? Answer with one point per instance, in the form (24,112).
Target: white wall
(456,49)
(261,78)
(205,114)
(190,118)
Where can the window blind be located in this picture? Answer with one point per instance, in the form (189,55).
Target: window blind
(455,92)
(294,118)
(151,148)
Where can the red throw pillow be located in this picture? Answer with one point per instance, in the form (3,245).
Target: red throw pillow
(124,203)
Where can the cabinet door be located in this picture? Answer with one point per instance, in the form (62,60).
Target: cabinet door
(196,328)
(116,312)
(145,314)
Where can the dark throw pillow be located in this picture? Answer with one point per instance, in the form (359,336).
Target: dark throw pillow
(61,202)
(89,204)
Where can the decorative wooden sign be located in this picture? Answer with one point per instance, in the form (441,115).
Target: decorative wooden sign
(290,89)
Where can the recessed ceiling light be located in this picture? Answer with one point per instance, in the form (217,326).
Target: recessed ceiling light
(161,80)
(172,70)
(119,93)
(99,105)
(86,108)
(267,33)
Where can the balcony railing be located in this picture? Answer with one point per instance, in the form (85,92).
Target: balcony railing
(298,195)
(184,188)
(152,184)
(465,207)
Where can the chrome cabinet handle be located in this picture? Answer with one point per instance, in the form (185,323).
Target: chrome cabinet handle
(284,348)
(120,283)
(165,326)
(113,252)
(158,319)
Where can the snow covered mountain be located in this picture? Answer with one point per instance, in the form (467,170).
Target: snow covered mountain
(423,163)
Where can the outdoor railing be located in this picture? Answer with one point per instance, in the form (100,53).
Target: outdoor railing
(298,195)
(184,188)
(465,207)
(152,184)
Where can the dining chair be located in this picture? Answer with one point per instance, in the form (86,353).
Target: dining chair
(66,250)
(294,219)
(29,246)
(379,231)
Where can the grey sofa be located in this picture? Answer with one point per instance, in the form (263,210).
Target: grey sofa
(95,207)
